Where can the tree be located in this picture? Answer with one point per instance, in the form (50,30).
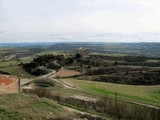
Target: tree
(116,63)
(78,55)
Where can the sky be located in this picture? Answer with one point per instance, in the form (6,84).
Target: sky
(79,20)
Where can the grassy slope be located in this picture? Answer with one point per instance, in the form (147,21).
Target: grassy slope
(27,59)
(13,68)
(146,94)
(8,63)
(17,70)
(7,66)
(114,54)
(49,52)
(153,61)
(17,106)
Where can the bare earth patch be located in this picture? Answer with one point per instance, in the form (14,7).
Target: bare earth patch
(67,73)
(84,98)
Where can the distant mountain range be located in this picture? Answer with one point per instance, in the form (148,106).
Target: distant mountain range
(75,37)
(143,49)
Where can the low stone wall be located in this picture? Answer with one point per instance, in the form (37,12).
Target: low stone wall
(9,84)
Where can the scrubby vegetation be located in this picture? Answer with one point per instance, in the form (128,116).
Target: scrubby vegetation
(100,68)
(40,65)
(42,82)
(109,108)
(124,75)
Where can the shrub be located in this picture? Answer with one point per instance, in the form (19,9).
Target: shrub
(42,92)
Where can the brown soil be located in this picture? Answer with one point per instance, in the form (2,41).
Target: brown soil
(67,73)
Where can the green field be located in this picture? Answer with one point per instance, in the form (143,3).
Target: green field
(18,71)
(8,63)
(21,107)
(52,52)
(15,62)
(105,54)
(13,68)
(27,59)
(153,61)
(144,94)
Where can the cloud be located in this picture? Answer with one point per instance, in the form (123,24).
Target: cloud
(125,16)
(1,17)
(103,37)
(79,17)
(116,22)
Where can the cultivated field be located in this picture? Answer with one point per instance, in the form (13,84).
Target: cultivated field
(67,73)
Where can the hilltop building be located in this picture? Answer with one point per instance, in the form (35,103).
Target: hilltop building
(82,51)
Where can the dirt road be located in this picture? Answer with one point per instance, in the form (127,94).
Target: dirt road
(85,113)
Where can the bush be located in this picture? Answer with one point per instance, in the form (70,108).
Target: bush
(42,82)
(42,92)
(53,65)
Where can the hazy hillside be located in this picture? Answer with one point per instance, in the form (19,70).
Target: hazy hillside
(145,49)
